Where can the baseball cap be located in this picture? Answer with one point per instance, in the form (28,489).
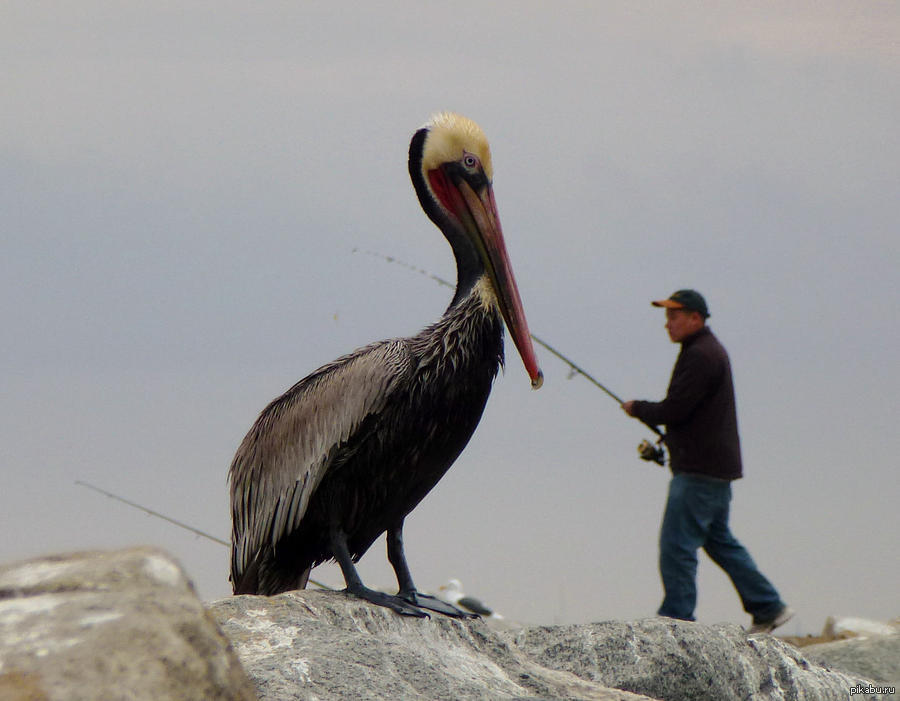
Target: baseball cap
(684,299)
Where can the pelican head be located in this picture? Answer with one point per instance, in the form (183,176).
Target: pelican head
(451,169)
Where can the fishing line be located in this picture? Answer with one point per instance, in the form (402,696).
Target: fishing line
(646,450)
(574,368)
(180,524)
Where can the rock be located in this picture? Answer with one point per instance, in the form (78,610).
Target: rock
(837,626)
(875,657)
(675,660)
(128,625)
(117,625)
(326,645)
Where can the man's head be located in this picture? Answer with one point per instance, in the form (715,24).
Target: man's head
(686,313)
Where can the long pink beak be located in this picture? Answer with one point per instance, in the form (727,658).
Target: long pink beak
(488,238)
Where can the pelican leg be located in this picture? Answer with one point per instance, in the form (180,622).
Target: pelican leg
(358,589)
(408,590)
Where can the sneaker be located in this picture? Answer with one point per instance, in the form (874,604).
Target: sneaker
(783,616)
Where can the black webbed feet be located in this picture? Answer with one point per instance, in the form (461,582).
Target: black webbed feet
(394,603)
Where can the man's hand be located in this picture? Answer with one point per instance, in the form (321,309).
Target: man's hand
(628,407)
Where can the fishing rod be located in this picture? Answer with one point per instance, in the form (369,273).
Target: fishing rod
(647,450)
(180,524)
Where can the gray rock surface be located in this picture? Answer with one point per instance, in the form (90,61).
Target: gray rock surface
(875,657)
(326,645)
(128,625)
(116,625)
(677,660)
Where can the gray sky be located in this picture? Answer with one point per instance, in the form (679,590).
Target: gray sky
(182,187)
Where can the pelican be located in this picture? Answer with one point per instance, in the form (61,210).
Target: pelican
(346,453)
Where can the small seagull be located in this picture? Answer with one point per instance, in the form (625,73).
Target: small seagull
(452,593)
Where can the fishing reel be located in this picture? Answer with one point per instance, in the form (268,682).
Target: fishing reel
(652,452)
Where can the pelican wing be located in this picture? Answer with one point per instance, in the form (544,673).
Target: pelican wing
(296,440)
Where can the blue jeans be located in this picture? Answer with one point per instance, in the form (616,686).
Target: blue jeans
(697,516)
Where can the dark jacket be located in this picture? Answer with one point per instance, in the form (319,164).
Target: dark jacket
(699,411)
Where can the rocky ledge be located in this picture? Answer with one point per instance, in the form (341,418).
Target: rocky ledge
(128,625)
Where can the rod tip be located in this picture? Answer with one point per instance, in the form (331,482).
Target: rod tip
(538,381)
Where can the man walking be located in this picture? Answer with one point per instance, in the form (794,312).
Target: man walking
(705,456)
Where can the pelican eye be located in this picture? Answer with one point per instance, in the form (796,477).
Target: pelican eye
(470,161)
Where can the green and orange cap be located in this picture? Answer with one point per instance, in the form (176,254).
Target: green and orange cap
(684,299)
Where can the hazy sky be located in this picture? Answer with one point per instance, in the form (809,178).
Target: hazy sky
(183,185)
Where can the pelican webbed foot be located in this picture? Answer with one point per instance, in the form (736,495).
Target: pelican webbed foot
(394,603)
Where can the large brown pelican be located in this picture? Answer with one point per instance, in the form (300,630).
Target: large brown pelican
(346,453)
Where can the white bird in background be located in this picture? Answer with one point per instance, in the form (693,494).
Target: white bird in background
(452,593)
